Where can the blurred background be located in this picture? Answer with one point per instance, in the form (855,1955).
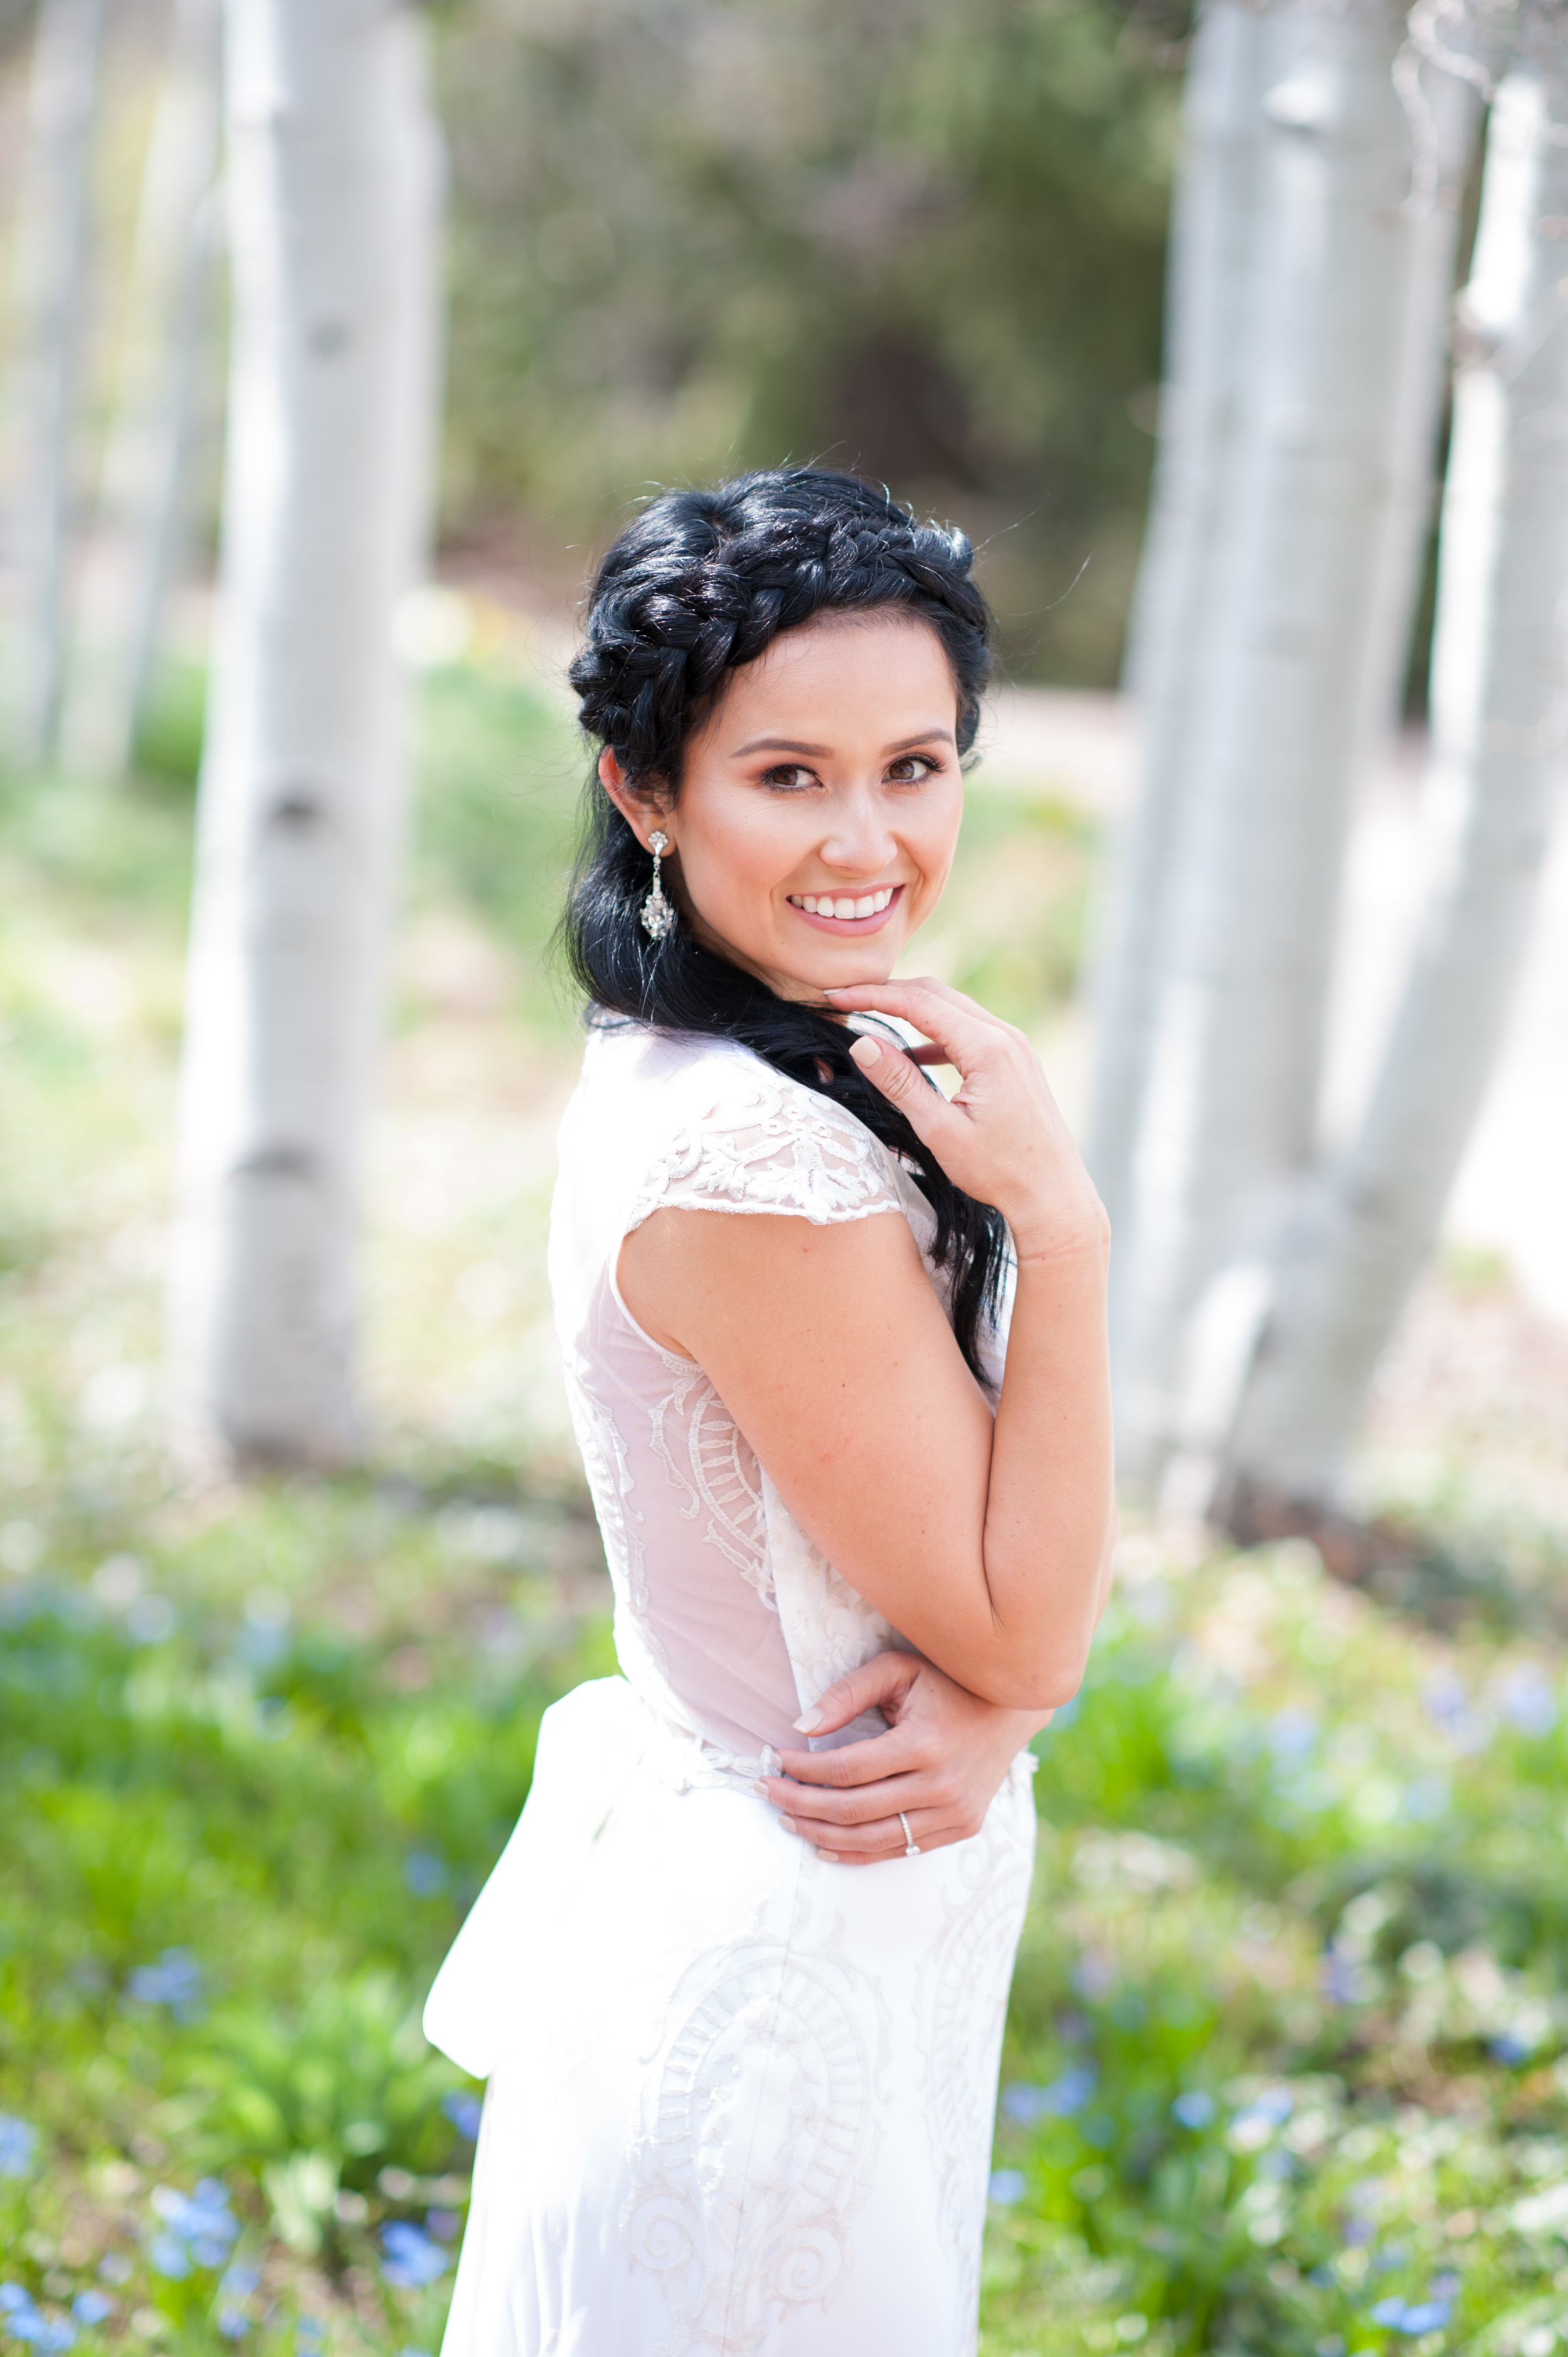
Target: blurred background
(338,340)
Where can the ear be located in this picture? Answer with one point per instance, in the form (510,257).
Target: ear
(640,810)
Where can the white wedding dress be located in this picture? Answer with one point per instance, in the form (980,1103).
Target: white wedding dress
(740,2099)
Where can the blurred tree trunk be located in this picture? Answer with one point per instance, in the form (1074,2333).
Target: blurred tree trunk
(1499,695)
(136,527)
(50,275)
(1213,211)
(334,174)
(1292,649)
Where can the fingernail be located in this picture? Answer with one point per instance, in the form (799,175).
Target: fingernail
(762,1791)
(866,1052)
(808,1721)
(788,1825)
(830,1856)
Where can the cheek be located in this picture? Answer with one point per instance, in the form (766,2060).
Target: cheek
(739,858)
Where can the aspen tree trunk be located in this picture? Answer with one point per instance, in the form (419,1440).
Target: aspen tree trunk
(1340,316)
(137,523)
(334,176)
(1500,728)
(1213,213)
(50,270)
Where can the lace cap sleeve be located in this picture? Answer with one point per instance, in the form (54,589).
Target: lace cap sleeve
(754,1141)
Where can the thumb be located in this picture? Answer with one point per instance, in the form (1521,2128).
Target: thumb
(886,1679)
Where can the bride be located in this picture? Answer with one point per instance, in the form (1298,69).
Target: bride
(738,1982)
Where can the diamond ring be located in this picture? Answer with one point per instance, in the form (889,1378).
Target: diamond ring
(911,1846)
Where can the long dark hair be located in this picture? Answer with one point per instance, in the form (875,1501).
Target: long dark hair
(700,583)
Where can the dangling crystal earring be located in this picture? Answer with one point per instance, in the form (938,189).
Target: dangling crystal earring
(658,915)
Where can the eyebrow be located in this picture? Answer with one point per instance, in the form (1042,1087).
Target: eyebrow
(790,744)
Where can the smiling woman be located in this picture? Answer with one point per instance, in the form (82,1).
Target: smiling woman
(851,1459)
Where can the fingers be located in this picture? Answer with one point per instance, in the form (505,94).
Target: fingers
(873,1845)
(901,1081)
(884,1679)
(865,1805)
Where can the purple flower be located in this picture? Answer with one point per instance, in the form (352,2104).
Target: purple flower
(18,2144)
(412,2259)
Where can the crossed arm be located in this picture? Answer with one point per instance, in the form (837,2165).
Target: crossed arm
(985,1538)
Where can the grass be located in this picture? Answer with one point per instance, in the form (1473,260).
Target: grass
(1287,2061)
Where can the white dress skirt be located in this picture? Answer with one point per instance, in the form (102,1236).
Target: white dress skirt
(740,2100)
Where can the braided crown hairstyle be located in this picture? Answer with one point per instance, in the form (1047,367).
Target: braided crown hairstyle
(699,584)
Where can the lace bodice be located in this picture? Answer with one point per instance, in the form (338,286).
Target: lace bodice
(729,1619)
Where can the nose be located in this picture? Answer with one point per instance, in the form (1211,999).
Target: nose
(859,842)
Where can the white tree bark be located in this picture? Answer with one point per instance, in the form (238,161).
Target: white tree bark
(1213,214)
(1342,349)
(334,177)
(50,273)
(1500,726)
(137,526)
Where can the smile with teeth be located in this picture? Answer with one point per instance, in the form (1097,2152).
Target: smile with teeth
(842,905)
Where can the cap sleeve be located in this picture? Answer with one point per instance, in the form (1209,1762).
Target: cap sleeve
(754,1141)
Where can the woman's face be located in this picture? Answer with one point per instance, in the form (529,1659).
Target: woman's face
(820,805)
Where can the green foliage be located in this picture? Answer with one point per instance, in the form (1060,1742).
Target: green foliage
(922,241)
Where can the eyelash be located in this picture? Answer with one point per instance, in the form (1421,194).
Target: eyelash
(930,768)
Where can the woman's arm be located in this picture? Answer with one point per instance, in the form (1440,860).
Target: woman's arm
(984,1540)
(941,1762)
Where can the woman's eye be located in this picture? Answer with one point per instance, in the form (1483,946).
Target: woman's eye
(913,769)
(790,776)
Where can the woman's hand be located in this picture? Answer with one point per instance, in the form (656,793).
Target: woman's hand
(1001,1137)
(941,1762)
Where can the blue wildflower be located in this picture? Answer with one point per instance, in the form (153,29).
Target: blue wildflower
(92,2307)
(18,2144)
(1293,1734)
(443,2224)
(175,1979)
(1449,1705)
(412,2259)
(240,2281)
(1059,2101)
(13,2298)
(464,2112)
(1412,2317)
(168,2255)
(1193,2108)
(233,2323)
(1007,2185)
(1527,1699)
(425,1871)
(1509,2048)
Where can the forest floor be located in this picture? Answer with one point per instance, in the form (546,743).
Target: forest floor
(1287,2061)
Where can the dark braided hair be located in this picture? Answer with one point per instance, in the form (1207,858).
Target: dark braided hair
(700,583)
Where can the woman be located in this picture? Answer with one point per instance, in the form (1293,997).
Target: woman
(739,1996)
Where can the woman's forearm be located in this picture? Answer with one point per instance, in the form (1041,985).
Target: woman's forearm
(1050,1501)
